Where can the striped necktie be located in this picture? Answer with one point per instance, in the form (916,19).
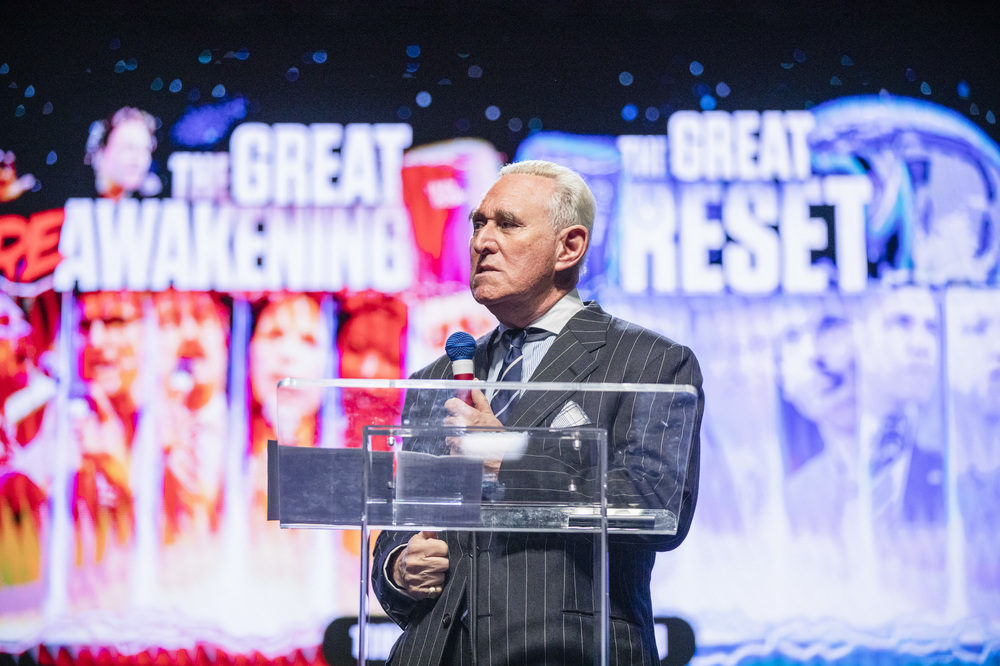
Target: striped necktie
(511,371)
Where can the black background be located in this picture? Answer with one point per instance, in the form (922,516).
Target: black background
(557,62)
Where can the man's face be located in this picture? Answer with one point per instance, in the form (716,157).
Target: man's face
(734,346)
(952,206)
(125,160)
(976,366)
(111,327)
(816,366)
(514,247)
(906,361)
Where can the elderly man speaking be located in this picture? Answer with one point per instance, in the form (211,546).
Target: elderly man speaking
(534,604)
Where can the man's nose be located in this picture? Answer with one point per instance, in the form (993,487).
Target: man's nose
(923,342)
(484,241)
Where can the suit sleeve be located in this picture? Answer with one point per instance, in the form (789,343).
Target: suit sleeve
(399,607)
(651,465)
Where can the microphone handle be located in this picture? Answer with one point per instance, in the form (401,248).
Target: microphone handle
(463,369)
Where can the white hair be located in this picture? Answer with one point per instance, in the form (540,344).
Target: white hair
(572,203)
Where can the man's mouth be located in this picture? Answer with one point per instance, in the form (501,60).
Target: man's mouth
(831,382)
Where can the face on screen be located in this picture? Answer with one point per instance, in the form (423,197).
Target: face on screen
(816,365)
(736,362)
(289,340)
(977,361)
(369,342)
(193,334)
(904,359)
(111,328)
(955,215)
(123,163)
(13,328)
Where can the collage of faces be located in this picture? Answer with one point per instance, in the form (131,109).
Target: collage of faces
(862,434)
(135,427)
(135,424)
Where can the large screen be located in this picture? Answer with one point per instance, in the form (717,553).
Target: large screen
(198,201)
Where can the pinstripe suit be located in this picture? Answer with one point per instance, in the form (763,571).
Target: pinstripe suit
(534,591)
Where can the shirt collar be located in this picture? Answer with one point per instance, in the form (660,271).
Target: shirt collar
(556,318)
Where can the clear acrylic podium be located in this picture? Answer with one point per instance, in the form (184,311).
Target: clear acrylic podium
(384,455)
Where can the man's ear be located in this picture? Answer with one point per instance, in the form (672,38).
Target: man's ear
(573,243)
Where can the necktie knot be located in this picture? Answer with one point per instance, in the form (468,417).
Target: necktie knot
(518,337)
(515,339)
(512,368)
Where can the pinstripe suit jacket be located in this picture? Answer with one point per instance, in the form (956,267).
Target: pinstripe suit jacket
(535,595)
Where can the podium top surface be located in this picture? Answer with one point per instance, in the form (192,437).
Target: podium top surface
(571,456)
(292,383)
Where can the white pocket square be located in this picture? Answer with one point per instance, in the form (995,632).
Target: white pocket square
(569,416)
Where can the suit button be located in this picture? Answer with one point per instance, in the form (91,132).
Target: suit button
(446,620)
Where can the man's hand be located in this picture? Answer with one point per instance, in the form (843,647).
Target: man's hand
(480,414)
(421,567)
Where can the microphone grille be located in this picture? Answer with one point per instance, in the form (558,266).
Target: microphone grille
(460,345)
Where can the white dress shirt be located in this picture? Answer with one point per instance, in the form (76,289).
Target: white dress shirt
(553,321)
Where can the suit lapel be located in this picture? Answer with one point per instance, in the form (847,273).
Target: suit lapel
(571,358)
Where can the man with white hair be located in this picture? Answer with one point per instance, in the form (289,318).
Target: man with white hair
(535,593)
